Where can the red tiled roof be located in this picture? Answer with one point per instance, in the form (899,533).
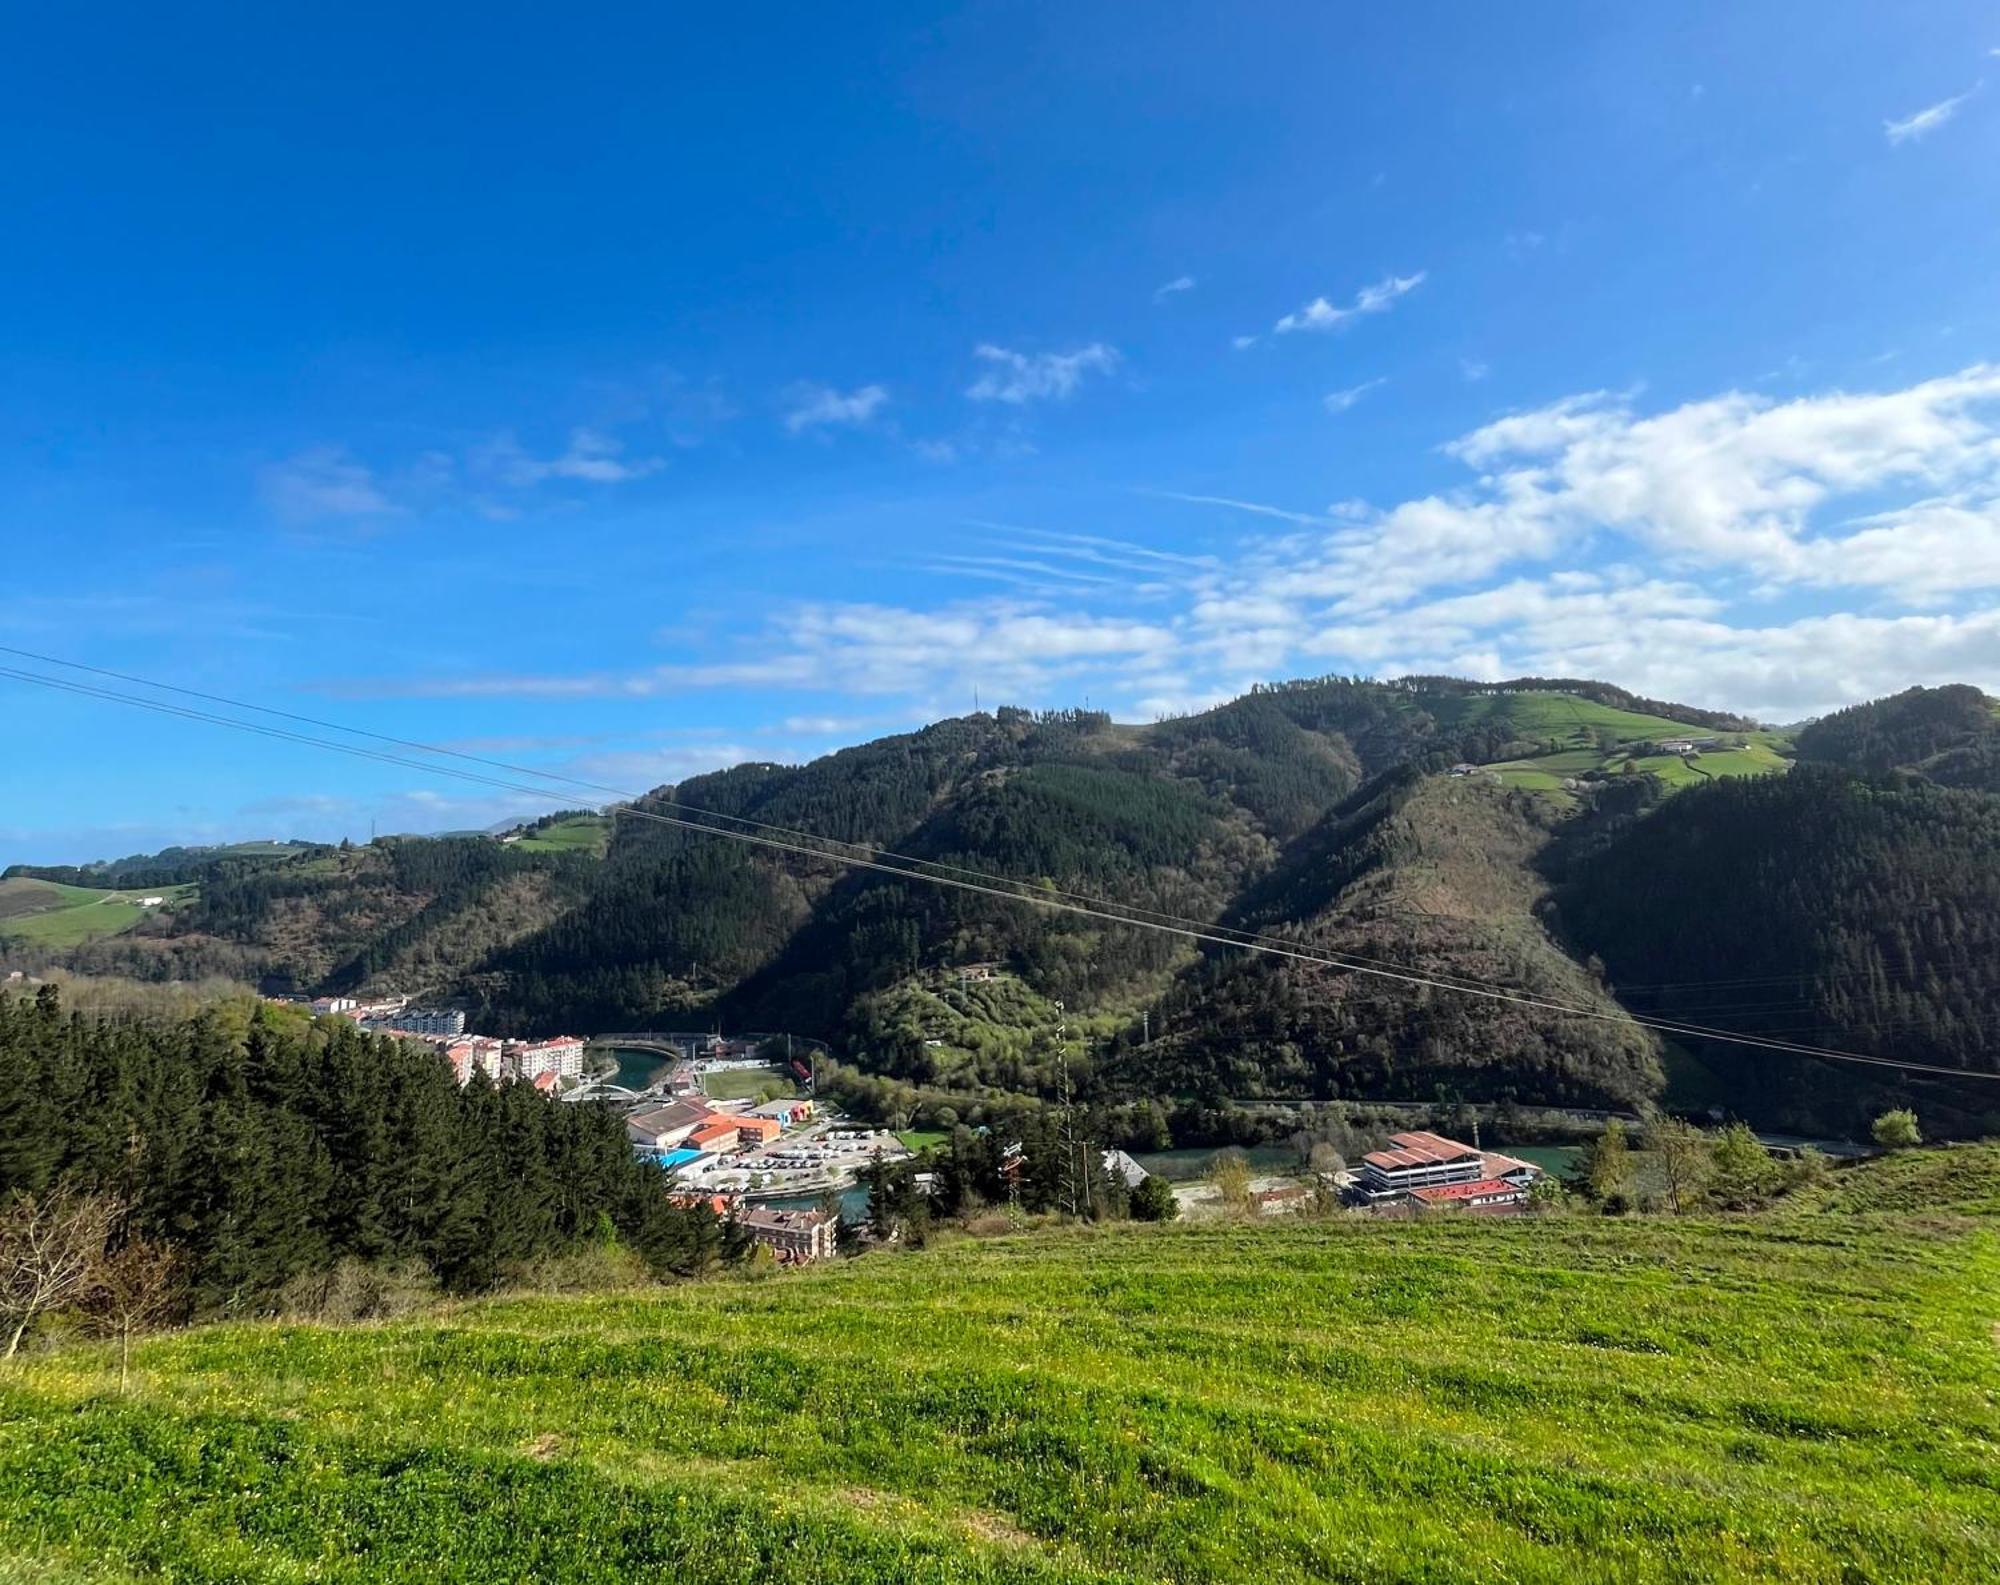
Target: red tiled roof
(1466,1191)
(1419,1149)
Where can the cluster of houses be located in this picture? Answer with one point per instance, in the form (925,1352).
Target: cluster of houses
(1420,1171)
(542,1063)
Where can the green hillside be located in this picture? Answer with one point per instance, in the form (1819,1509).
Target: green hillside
(572,833)
(1862,916)
(50,914)
(1323,811)
(1807,1396)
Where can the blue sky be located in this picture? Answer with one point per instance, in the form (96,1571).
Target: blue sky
(633,393)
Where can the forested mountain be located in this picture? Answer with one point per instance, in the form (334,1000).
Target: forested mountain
(1425,872)
(1949,735)
(421,912)
(1861,915)
(1616,844)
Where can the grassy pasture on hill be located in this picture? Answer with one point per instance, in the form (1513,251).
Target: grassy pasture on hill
(1548,772)
(578,834)
(1540,714)
(50,914)
(1812,1395)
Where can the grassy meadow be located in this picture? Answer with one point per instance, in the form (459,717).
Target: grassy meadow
(1811,1395)
(579,834)
(1546,773)
(50,914)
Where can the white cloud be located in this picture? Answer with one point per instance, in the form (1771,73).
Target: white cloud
(1473,370)
(1006,646)
(814,407)
(1730,481)
(641,770)
(1319,314)
(1692,552)
(323,482)
(1924,122)
(1179,284)
(1243,343)
(1341,401)
(591,458)
(1018,378)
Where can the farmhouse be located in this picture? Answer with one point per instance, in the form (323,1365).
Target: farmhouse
(795,1237)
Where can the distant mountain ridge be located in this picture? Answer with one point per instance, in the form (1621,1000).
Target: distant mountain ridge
(1519,834)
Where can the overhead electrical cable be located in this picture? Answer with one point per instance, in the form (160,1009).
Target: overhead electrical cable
(1000,887)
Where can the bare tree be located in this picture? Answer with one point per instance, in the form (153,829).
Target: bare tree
(134,1290)
(1682,1151)
(1229,1176)
(50,1248)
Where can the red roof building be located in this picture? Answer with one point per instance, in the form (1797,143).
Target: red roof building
(722,1134)
(1486,1194)
(1418,1160)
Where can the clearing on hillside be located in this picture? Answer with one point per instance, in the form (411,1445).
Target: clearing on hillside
(50,914)
(1809,1396)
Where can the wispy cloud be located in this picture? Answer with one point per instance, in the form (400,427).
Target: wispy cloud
(1319,314)
(1022,571)
(1101,549)
(590,458)
(1018,378)
(1179,284)
(323,482)
(1473,370)
(1255,508)
(814,407)
(1341,401)
(1589,537)
(1924,122)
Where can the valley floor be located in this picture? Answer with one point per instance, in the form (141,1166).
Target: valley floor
(1811,1395)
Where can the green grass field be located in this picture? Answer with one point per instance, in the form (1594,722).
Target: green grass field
(48,914)
(1810,1396)
(1538,714)
(739,1084)
(580,834)
(1546,773)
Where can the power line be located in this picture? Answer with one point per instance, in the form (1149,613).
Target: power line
(1001,887)
(1896,977)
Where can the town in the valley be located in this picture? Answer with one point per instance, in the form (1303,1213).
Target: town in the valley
(733,1121)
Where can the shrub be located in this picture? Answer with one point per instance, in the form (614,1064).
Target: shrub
(1897,1130)
(1154,1201)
